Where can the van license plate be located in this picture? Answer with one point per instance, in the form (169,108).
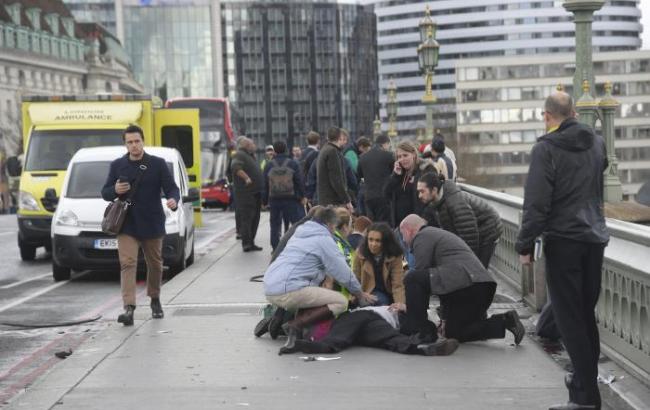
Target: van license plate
(105,243)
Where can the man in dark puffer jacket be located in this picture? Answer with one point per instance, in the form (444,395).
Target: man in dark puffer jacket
(461,213)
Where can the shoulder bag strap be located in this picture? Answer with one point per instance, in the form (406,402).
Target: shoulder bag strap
(143,167)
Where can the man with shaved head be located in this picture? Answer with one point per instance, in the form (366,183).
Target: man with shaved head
(563,202)
(447,267)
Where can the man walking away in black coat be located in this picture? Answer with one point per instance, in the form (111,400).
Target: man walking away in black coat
(461,213)
(144,226)
(249,184)
(563,200)
(375,167)
(445,266)
(310,153)
(330,172)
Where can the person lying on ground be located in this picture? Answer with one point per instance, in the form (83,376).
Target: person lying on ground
(375,326)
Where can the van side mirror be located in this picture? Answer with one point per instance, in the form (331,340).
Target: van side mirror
(14,169)
(192,195)
(50,200)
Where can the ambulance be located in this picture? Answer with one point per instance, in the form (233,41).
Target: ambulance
(56,127)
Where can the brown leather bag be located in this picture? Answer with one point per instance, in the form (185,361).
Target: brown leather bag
(115,212)
(114,216)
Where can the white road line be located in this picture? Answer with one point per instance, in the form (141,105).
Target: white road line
(32,296)
(13,285)
(37,293)
(206,241)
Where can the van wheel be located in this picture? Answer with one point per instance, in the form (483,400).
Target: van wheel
(27,252)
(60,272)
(180,266)
(190,259)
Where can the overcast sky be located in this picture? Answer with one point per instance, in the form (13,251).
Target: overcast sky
(645,20)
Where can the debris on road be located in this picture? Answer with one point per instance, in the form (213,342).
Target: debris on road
(63,354)
(318,358)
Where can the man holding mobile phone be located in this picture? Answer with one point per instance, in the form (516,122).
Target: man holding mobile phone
(144,226)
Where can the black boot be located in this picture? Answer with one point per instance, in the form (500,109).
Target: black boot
(441,347)
(275,325)
(156,309)
(514,325)
(305,317)
(126,318)
(307,347)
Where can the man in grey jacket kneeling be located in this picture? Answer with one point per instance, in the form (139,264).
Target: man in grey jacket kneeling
(447,267)
(292,281)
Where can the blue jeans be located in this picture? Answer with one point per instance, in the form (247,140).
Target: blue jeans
(383,299)
(282,210)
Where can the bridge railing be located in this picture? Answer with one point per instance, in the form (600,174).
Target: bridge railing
(624,305)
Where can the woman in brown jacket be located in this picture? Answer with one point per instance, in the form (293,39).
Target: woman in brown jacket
(378,265)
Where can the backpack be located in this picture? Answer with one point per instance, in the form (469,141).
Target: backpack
(281,180)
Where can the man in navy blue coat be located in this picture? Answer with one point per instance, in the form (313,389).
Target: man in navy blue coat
(144,225)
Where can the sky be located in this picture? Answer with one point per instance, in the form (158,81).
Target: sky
(645,20)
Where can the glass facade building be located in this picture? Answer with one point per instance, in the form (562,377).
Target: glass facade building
(295,66)
(170,46)
(500,114)
(94,11)
(494,28)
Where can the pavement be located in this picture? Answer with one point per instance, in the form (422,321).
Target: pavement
(203,355)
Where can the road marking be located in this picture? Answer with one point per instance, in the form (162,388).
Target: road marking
(206,241)
(32,296)
(13,285)
(7,233)
(39,293)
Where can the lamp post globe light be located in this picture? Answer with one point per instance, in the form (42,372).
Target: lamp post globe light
(391,108)
(428,53)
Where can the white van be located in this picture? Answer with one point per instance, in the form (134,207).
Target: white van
(78,242)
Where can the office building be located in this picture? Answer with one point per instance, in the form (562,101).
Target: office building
(500,106)
(289,66)
(95,11)
(490,28)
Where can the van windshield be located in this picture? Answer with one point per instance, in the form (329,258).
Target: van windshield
(51,150)
(87,179)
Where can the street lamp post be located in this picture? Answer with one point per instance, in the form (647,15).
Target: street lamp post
(376,131)
(428,53)
(391,109)
(586,105)
(583,11)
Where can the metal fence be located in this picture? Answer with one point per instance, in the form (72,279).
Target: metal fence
(624,304)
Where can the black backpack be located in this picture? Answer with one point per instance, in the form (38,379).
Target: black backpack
(281,180)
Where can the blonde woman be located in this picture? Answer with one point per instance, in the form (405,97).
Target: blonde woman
(401,188)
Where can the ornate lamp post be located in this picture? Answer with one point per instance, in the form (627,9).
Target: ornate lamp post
(391,109)
(428,53)
(376,127)
(583,11)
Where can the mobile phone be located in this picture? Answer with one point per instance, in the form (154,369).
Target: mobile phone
(123,179)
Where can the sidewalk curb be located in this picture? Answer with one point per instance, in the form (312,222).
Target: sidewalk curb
(52,387)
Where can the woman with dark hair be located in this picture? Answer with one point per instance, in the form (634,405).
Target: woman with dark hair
(378,265)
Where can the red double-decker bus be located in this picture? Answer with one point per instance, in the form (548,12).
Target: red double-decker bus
(219,129)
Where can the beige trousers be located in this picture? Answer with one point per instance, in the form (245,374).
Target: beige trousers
(127,248)
(311,296)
